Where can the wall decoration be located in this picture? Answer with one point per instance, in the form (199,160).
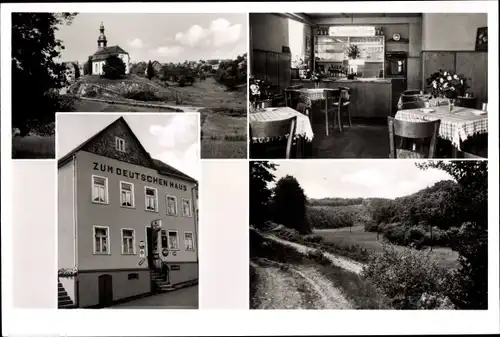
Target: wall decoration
(482,39)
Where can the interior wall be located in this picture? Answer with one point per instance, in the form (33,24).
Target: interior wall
(269,32)
(451,31)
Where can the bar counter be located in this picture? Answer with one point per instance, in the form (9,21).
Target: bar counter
(371,97)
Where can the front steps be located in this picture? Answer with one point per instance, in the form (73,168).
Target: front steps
(63,300)
(164,286)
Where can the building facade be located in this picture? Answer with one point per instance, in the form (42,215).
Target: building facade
(124,219)
(103,52)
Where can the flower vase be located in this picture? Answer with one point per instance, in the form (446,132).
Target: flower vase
(316,85)
(252,106)
(451,104)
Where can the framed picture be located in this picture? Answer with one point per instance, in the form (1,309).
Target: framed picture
(482,39)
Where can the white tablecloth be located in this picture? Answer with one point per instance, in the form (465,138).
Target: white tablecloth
(303,129)
(456,126)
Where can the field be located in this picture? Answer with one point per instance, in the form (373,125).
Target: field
(33,147)
(93,106)
(343,237)
(223,136)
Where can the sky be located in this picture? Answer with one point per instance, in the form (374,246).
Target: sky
(359,178)
(163,37)
(171,138)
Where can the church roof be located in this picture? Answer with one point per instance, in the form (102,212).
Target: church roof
(106,51)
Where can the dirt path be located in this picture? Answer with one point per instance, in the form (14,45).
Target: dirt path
(342,262)
(283,286)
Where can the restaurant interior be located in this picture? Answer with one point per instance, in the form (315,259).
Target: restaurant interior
(368,85)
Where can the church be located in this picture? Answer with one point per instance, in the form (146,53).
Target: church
(103,52)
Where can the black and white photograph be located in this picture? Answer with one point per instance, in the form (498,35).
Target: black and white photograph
(128,210)
(368,85)
(369,235)
(129,62)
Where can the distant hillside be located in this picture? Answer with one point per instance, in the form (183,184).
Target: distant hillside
(324,217)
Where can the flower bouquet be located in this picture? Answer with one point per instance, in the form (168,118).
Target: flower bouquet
(352,51)
(316,77)
(445,84)
(258,91)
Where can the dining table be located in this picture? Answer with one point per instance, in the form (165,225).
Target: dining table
(311,95)
(456,126)
(303,133)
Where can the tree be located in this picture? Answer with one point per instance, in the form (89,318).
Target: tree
(114,68)
(36,76)
(289,205)
(87,67)
(77,70)
(469,284)
(138,68)
(260,194)
(150,71)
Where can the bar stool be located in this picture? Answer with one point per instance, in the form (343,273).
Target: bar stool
(341,102)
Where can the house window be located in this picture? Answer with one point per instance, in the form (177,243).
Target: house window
(120,144)
(296,41)
(188,241)
(173,240)
(126,194)
(186,207)
(99,190)
(151,199)
(128,241)
(133,276)
(171,205)
(101,240)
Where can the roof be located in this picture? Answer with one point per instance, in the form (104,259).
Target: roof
(107,51)
(156,164)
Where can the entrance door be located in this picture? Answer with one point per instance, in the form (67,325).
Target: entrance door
(149,253)
(105,290)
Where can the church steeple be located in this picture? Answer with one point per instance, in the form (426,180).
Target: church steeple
(101,42)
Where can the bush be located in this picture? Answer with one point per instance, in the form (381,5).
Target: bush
(314,238)
(372,226)
(318,256)
(114,67)
(182,82)
(144,96)
(406,276)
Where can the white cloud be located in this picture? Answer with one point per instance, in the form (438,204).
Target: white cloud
(168,51)
(219,33)
(367,177)
(180,141)
(135,43)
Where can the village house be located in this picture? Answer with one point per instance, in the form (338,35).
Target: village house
(127,223)
(103,52)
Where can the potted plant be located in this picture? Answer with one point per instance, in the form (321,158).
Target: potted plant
(352,51)
(257,92)
(446,84)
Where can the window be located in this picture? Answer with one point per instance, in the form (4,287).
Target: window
(101,240)
(186,207)
(188,241)
(164,239)
(296,41)
(99,190)
(128,241)
(173,240)
(133,276)
(120,144)
(171,205)
(151,199)
(126,194)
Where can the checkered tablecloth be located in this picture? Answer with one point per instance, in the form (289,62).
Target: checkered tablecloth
(303,129)
(310,95)
(456,126)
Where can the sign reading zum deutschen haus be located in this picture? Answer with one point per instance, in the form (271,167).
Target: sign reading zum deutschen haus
(139,176)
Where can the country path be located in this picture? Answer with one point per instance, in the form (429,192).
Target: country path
(339,261)
(285,286)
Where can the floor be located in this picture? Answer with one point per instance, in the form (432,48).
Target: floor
(185,298)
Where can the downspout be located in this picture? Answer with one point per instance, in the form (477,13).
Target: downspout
(75,229)
(195,217)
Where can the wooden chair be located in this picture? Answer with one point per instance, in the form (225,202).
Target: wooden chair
(305,110)
(341,99)
(413,105)
(412,92)
(273,130)
(418,133)
(409,98)
(289,93)
(467,102)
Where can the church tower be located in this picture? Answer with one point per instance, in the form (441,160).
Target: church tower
(101,42)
